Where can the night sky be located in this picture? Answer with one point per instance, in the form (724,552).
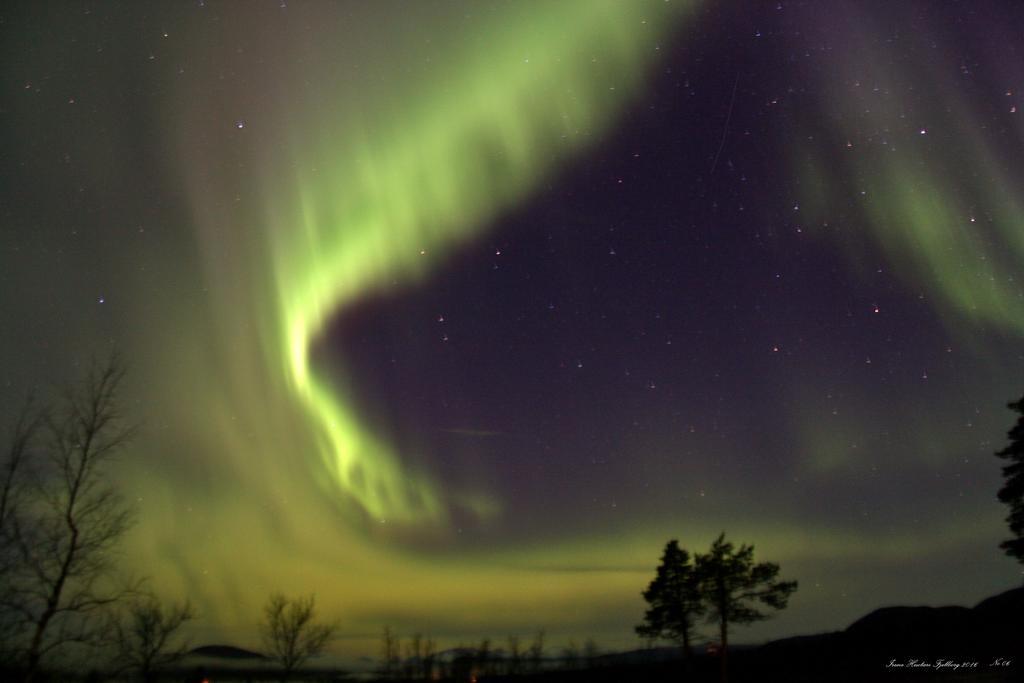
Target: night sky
(454,313)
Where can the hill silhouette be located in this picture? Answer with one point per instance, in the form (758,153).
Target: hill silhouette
(224,652)
(982,644)
(987,640)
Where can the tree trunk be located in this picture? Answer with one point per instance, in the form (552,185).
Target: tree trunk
(723,652)
(687,652)
(35,649)
(53,601)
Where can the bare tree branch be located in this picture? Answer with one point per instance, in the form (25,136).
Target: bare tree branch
(61,526)
(290,632)
(144,635)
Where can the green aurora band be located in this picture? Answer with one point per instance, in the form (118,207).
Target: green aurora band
(938,194)
(317,201)
(257,469)
(388,203)
(365,191)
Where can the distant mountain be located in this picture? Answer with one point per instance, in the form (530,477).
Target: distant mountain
(920,631)
(995,624)
(224,652)
(885,644)
(644,655)
(901,637)
(1006,608)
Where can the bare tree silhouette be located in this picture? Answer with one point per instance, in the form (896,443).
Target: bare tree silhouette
(391,647)
(62,525)
(144,635)
(13,495)
(428,657)
(291,633)
(484,658)
(536,652)
(514,662)
(571,656)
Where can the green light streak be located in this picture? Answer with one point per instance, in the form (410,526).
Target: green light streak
(934,191)
(397,193)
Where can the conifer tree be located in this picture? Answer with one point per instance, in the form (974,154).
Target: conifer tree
(732,586)
(1012,492)
(675,600)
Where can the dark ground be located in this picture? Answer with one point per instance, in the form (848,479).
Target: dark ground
(983,644)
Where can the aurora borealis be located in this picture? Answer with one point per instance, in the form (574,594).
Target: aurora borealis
(375,209)
(455,312)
